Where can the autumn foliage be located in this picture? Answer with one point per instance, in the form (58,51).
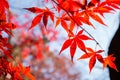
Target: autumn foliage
(68,14)
(8,70)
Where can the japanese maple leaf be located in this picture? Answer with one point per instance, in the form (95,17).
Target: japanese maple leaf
(90,52)
(43,14)
(93,55)
(110,62)
(93,60)
(74,42)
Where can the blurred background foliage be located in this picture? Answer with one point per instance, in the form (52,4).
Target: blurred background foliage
(31,47)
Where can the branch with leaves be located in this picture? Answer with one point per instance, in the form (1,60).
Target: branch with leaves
(72,15)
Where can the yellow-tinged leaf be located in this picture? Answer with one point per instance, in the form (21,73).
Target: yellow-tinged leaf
(110,62)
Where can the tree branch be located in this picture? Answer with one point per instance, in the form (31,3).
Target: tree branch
(77,23)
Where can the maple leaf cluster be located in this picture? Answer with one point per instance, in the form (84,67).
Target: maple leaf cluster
(71,15)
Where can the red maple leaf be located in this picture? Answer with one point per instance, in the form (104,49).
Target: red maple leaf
(110,62)
(77,40)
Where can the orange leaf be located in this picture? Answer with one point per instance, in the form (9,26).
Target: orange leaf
(110,61)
